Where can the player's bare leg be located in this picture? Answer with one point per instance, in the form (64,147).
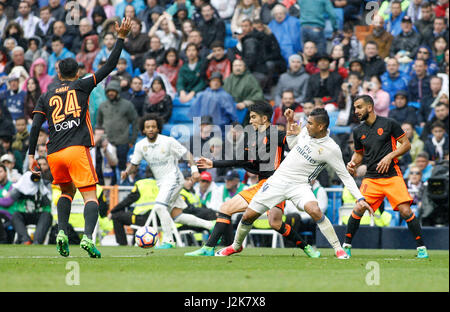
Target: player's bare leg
(276,222)
(223,225)
(325,226)
(63,209)
(90,220)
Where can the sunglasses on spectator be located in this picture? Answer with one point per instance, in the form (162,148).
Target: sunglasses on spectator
(423,52)
(415,172)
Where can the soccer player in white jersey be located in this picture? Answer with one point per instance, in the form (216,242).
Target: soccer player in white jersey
(311,150)
(162,154)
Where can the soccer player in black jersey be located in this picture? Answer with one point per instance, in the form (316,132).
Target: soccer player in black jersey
(66,108)
(263,151)
(376,140)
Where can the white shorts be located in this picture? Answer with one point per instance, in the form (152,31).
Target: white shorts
(270,194)
(169,196)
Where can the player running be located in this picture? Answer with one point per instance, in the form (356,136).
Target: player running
(66,109)
(162,154)
(376,140)
(263,152)
(311,150)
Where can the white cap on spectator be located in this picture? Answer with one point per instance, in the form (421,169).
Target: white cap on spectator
(7,157)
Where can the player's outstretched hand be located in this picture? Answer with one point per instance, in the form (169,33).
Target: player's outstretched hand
(124,29)
(204,163)
(351,168)
(195,177)
(289,114)
(33,165)
(366,206)
(384,164)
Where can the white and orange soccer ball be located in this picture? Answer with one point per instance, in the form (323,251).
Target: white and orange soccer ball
(146,237)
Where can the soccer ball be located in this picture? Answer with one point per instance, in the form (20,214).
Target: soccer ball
(146,237)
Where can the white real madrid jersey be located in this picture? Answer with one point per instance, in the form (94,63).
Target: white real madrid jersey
(308,157)
(162,157)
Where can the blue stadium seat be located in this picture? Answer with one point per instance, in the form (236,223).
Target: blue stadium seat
(176,103)
(180,131)
(228,29)
(241,114)
(230,42)
(180,114)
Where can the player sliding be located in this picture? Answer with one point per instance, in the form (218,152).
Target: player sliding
(67,110)
(162,154)
(376,140)
(311,150)
(263,151)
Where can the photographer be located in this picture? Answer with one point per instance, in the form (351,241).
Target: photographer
(32,194)
(104,157)
(349,91)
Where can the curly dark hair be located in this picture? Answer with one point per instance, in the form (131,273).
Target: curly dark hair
(151,116)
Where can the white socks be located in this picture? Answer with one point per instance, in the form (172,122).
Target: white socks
(327,230)
(166,222)
(241,234)
(191,220)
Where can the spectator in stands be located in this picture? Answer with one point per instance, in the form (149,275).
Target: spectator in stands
(156,52)
(417,144)
(186,28)
(224,8)
(430,101)
(205,188)
(67,36)
(441,7)
(171,66)
(109,40)
(351,46)
(211,28)
(325,84)
(33,195)
(233,141)
(439,47)
(309,55)
(36,50)
(107,7)
(393,23)
(174,7)
(295,79)
(17,59)
(13,97)
(6,142)
(38,70)
(439,29)
(104,158)
(425,53)
(165,29)
(415,185)
(135,94)
(89,50)
(15,31)
(245,9)
(137,43)
(402,112)
(146,14)
(190,81)
(349,91)
(313,21)
(217,61)
(151,73)
(287,101)
(380,97)
(425,22)
(407,39)
(437,145)
(26,19)
(21,138)
(232,186)
(158,101)
(180,16)
(59,52)
(57,9)
(195,37)
(33,92)
(414,10)
(7,204)
(419,85)
(286,29)
(85,30)
(373,64)
(6,124)
(338,61)
(115,115)
(242,85)
(266,11)
(3,18)
(138,5)
(9,161)
(393,80)
(216,102)
(99,19)
(423,163)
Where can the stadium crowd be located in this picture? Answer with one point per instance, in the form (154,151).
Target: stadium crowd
(216,58)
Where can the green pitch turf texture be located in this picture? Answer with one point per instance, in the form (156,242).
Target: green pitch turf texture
(40,268)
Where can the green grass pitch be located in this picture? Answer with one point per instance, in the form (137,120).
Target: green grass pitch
(40,268)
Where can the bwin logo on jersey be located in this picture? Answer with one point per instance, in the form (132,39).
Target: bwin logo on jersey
(68,124)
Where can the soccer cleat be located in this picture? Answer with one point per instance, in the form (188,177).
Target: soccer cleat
(311,252)
(204,251)
(341,254)
(422,252)
(165,246)
(347,248)
(88,245)
(227,251)
(62,244)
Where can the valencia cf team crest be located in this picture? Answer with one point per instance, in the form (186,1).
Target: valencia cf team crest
(363,137)
(380,131)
